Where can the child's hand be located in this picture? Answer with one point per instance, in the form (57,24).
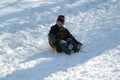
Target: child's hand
(63,41)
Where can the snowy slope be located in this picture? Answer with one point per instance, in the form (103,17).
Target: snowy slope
(26,55)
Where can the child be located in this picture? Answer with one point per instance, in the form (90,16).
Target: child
(61,39)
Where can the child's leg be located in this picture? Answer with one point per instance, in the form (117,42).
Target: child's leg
(76,45)
(64,47)
(57,46)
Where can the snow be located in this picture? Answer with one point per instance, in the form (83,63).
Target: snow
(26,55)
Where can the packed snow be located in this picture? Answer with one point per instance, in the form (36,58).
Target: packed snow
(26,55)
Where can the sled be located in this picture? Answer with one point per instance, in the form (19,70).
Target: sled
(54,49)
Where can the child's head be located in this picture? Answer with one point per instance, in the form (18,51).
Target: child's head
(60,20)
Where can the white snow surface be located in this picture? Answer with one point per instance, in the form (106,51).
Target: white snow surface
(26,55)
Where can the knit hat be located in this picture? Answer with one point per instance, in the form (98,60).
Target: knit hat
(61,18)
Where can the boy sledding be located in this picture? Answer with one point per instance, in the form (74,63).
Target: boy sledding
(61,40)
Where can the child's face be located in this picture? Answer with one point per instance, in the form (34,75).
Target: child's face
(59,24)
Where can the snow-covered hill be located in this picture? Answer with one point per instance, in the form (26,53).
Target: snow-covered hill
(26,55)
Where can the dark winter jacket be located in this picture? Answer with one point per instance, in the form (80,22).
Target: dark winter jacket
(59,33)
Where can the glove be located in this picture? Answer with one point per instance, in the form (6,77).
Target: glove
(63,41)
